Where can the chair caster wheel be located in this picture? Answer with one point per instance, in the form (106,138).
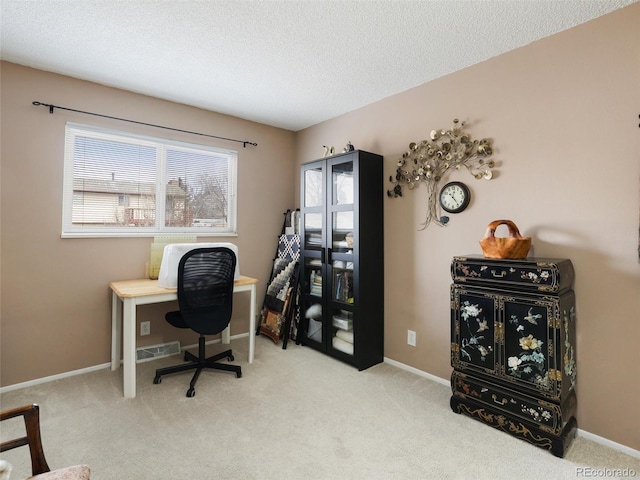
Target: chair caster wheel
(157,380)
(230,358)
(191,392)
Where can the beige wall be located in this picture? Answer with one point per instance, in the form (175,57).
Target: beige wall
(563,115)
(55,296)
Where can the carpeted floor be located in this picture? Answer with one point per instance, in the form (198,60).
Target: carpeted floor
(295,414)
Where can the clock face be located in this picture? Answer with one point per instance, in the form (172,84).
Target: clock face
(454,197)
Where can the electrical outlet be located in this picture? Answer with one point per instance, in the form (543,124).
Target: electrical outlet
(411,338)
(145,328)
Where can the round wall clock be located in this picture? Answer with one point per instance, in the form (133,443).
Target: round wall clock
(455,197)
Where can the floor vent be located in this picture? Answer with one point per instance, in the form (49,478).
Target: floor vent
(144,354)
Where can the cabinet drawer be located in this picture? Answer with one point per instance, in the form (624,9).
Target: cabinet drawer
(547,416)
(534,274)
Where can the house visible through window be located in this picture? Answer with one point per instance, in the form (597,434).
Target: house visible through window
(123,200)
(118,184)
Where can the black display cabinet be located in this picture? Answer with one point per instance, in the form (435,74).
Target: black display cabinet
(342,257)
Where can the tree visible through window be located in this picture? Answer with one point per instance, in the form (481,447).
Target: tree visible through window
(121,184)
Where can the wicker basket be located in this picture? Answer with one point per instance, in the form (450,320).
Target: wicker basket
(514,246)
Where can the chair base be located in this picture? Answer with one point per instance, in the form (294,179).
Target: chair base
(198,364)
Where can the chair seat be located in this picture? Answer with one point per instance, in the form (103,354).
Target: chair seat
(77,472)
(175,319)
(206,323)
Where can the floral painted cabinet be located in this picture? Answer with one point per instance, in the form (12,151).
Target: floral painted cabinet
(513,347)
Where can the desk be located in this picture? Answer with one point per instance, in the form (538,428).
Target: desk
(132,293)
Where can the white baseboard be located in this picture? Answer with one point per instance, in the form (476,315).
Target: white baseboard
(609,443)
(217,340)
(82,371)
(429,376)
(51,378)
(581,433)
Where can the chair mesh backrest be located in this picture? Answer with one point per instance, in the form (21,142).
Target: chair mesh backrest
(205,288)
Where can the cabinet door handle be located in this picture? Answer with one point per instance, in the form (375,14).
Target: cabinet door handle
(499,402)
(329,255)
(502,274)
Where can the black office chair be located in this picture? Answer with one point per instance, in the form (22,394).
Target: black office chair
(205,296)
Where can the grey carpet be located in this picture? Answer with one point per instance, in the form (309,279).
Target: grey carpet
(295,414)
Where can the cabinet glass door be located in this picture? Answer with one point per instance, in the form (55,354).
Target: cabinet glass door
(313,281)
(312,231)
(342,281)
(313,191)
(342,300)
(342,219)
(342,239)
(342,244)
(342,183)
(342,330)
(312,209)
(312,304)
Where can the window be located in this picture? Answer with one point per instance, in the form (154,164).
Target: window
(119,184)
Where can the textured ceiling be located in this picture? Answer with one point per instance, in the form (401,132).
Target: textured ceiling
(290,64)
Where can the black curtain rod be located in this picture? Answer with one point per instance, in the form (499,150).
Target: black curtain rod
(51,107)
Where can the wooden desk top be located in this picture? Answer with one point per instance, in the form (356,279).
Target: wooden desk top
(144,287)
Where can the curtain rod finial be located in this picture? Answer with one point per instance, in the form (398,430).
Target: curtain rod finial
(40,104)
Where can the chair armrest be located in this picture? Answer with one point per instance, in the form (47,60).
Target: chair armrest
(31,415)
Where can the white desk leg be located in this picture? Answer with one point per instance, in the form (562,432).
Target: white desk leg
(252,324)
(116,331)
(225,336)
(129,347)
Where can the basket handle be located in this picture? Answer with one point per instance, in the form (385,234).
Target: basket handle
(513,229)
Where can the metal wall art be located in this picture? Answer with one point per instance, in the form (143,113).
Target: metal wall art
(429,160)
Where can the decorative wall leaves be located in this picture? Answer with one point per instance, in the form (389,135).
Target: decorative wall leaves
(429,160)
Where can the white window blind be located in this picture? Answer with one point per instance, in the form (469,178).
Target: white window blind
(118,184)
